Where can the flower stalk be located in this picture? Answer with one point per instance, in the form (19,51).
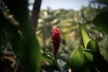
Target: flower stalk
(56,40)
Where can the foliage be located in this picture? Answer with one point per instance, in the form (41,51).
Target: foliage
(101,21)
(83,59)
(21,37)
(100,3)
(17,34)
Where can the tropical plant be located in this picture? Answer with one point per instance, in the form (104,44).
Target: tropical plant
(19,44)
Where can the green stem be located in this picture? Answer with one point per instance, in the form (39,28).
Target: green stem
(57,64)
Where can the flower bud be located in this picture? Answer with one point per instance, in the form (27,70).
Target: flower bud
(56,40)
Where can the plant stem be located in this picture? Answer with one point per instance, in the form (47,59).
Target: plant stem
(57,65)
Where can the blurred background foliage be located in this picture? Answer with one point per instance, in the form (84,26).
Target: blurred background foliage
(16,23)
(67,21)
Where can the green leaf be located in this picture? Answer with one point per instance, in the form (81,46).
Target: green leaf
(95,57)
(85,35)
(93,46)
(78,61)
(101,21)
(31,51)
(27,44)
(47,56)
(88,55)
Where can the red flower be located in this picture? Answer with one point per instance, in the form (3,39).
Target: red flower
(56,40)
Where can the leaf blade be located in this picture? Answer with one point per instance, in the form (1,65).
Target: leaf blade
(85,36)
(78,61)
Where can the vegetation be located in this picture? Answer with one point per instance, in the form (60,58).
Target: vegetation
(54,40)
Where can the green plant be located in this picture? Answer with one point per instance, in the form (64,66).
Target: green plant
(18,34)
(86,58)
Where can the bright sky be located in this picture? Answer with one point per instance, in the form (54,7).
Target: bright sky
(64,4)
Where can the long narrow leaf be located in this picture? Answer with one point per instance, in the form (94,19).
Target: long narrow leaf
(30,55)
